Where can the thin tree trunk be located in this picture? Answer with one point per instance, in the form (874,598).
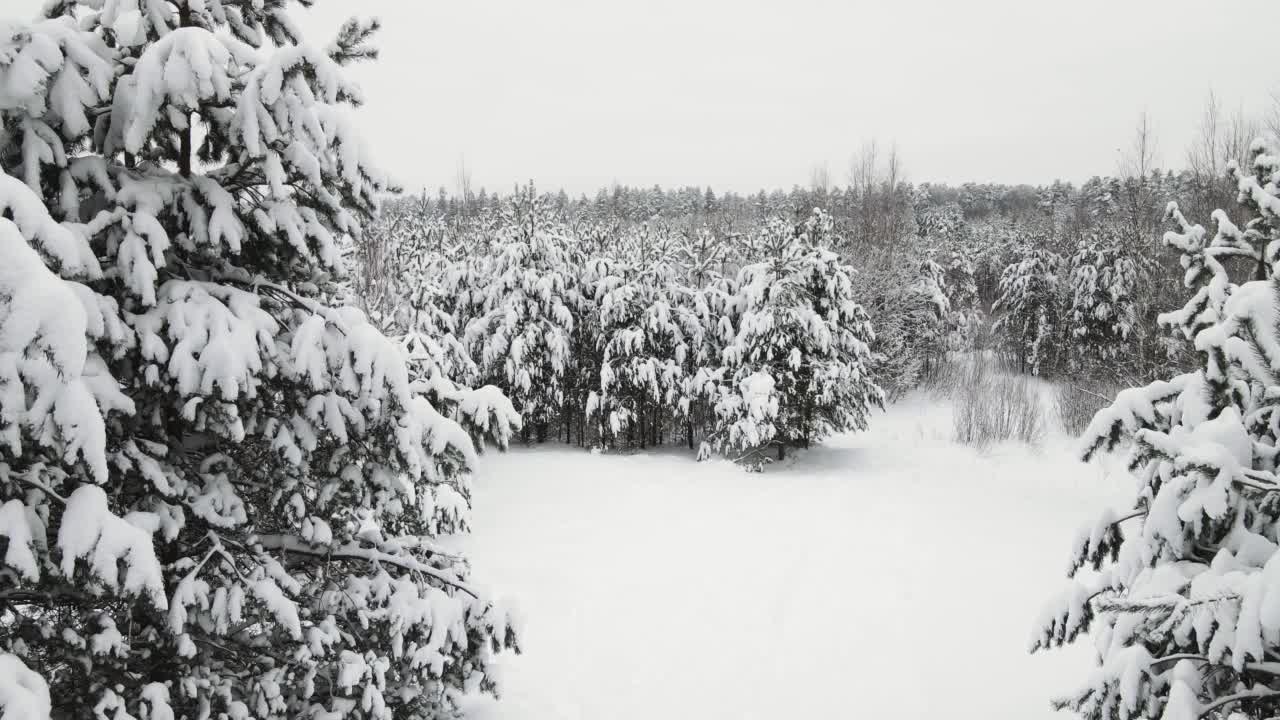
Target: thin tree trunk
(643,433)
(184,156)
(185,151)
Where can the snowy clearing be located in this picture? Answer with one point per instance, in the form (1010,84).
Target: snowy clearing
(857,577)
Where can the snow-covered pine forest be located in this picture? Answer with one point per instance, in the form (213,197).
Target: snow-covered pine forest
(281,438)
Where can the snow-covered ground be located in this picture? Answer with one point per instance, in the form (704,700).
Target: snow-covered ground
(888,574)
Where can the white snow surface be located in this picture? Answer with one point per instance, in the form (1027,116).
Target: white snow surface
(886,574)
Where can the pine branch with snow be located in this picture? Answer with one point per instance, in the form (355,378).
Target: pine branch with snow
(1181,601)
(218,494)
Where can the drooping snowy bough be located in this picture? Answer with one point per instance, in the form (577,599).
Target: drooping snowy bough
(217,494)
(1182,591)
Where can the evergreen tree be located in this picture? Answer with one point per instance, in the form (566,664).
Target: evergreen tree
(1183,602)
(217,493)
(963,302)
(926,311)
(521,341)
(440,367)
(1029,304)
(1103,313)
(888,287)
(644,351)
(798,366)
(941,222)
(702,299)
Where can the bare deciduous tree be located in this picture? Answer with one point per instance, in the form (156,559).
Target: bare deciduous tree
(820,178)
(880,195)
(463,182)
(1138,164)
(1220,139)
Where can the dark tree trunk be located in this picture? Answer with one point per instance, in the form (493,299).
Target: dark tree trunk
(642,429)
(185,151)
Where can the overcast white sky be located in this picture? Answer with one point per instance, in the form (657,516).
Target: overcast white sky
(745,94)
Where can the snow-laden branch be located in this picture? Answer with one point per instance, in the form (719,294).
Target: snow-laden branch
(50,597)
(1254,694)
(352,551)
(1264,668)
(30,480)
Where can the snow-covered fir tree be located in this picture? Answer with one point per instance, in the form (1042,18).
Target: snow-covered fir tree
(926,313)
(884,289)
(403,231)
(702,298)
(1103,314)
(646,343)
(798,365)
(414,288)
(522,338)
(963,303)
(218,495)
(943,223)
(424,319)
(1029,306)
(1181,596)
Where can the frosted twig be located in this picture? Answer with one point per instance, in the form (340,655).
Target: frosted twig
(1104,398)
